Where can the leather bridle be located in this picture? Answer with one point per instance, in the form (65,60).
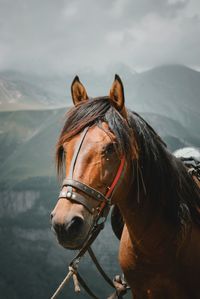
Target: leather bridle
(97,203)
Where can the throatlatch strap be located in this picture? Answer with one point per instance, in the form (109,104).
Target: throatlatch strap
(117,177)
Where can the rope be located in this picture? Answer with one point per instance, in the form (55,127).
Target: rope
(74,263)
(119,285)
(65,281)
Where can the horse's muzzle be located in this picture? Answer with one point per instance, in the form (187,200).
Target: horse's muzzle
(70,234)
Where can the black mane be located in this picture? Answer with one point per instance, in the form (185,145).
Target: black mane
(162,177)
(166,179)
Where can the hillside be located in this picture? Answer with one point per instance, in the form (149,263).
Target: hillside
(28,140)
(33,135)
(32,262)
(22,91)
(172,91)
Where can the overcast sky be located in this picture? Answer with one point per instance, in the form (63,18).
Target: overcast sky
(61,35)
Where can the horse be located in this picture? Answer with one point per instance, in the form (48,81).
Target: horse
(106,151)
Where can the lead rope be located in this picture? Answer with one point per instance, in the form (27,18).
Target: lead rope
(73,266)
(118,283)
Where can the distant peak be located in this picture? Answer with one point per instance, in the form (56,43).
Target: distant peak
(173,67)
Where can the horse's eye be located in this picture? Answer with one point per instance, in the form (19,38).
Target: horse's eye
(109,149)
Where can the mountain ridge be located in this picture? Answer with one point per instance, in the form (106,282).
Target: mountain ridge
(33,154)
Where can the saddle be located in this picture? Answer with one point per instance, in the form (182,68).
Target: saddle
(193,166)
(117,222)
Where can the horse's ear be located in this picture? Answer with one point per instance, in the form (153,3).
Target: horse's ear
(117,93)
(78,91)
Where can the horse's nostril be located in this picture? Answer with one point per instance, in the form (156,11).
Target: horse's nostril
(57,228)
(75,224)
(69,229)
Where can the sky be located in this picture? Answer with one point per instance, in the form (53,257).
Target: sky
(56,36)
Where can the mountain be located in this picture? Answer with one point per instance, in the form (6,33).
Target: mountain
(172,91)
(32,262)
(28,141)
(20,91)
(172,131)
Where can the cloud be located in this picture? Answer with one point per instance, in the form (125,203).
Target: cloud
(66,36)
(138,9)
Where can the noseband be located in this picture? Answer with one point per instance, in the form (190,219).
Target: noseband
(97,202)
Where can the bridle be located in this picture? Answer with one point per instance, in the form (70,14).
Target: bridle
(98,203)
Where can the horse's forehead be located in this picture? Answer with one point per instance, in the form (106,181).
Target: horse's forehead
(98,135)
(95,135)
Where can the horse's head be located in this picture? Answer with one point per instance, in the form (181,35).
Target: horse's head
(94,145)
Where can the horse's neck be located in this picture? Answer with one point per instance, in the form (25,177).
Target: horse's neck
(145,224)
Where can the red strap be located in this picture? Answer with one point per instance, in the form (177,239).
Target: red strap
(117,177)
(114,183)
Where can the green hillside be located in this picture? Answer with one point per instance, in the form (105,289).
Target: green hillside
(28,140)
(33,135)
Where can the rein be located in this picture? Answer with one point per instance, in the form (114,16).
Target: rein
(99,206)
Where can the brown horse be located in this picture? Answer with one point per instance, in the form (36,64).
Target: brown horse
(160,203)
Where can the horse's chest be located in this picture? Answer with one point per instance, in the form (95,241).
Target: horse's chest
(148,278)
(132,257)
